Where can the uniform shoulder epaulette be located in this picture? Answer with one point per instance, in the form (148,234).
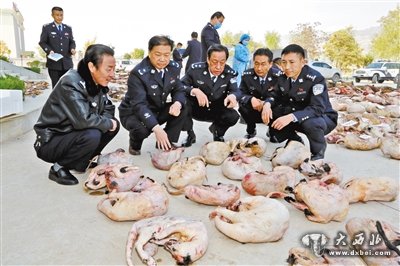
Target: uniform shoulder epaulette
(67,25)
(230,70)
(143,70)
(248,72)
(174,64)
(312,74)
(47,24)
(198,65)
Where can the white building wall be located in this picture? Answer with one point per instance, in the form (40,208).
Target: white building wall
(12,31)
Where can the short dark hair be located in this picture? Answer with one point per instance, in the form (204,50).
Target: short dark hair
(217,48)
(194,34)
(56,8)
(264,51)
(218,15)
(294,48)
(95,52)
(160,40)
(179,43)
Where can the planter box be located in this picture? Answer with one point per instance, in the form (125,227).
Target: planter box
(11,102)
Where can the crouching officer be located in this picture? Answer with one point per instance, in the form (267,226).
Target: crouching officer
(301,104)
(77,121)
(212,93)
(146,104)
(257,88)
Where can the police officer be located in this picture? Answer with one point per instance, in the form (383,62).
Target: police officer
(257,88)
(146,104)
(209,34)
(301,103)
(212,94)
(57,37)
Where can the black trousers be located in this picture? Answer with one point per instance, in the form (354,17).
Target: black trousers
(74,150)
(223,118)
(55,75)
(250,116)
(138,131)
(314,128)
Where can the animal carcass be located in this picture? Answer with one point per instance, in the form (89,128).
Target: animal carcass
(262,183)
(216,195)
(235,167)
(163,160)
(120,178)
(327,172)
(147,199)
(215,152)
(293,154)
(189,171)
(185,239)
(253,219)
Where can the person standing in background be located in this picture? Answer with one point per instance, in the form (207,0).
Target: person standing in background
(241,56)
(57,37)
(176,55)
(193,51)
(209,34)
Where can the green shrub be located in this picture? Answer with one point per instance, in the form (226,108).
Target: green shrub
(34,69)
(4,58)
(32,64)
(11,83)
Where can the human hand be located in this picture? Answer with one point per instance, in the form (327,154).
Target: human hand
(230,101)
(175,108)
(162,138)
(282,121)
(257,104)
(266,114)
(114,125)
(202,99)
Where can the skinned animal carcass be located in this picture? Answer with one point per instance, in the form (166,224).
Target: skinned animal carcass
(236,166)
(327,172)
(388,234)
(189,171)
(96,179)
(372,188)
(163,160)
(390,147)
(320,202)
(119,156)
(254,219)
(120,177)
(263,183)
(147,199)
(215,152)
(215,195)
(293,154)
(360,142)
(185,239)
(248,147)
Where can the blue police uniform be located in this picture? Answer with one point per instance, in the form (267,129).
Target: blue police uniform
(146,103)
(199,77)
(308,100)
(177,57)
(62,42)
(193,50)
(253,86)
(209,36)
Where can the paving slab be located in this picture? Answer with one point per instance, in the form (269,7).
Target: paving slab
(43,223)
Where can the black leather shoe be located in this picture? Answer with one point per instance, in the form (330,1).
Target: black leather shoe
(191,139)
(319,155)
(214,131)
(62,177)
(133,151)
(251,135)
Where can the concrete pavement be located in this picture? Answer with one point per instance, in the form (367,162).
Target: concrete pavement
(43,223)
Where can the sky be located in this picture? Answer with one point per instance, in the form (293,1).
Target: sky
(127,25)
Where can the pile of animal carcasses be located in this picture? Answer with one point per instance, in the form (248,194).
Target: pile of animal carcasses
(249,205)
(369,118)
(33,88)
(118,87)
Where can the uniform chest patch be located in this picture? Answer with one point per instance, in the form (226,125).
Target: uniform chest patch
(301,91)
(154,87)
(200,82)
(317,89)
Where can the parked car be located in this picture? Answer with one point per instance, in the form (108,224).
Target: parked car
(326,70)
(125,64)
(378,72)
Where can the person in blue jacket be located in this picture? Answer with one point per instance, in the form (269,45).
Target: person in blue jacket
(241,57)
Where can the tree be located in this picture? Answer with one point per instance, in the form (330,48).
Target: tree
(137,53)
(4,50)
(88,43)
(309,37)
(343,50)
(272,40)
(127,56)
(386,44)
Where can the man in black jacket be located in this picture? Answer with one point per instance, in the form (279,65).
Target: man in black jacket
(192,51)
(212,94)
(57,37)
(209,34)
(77,121)
(147,105)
